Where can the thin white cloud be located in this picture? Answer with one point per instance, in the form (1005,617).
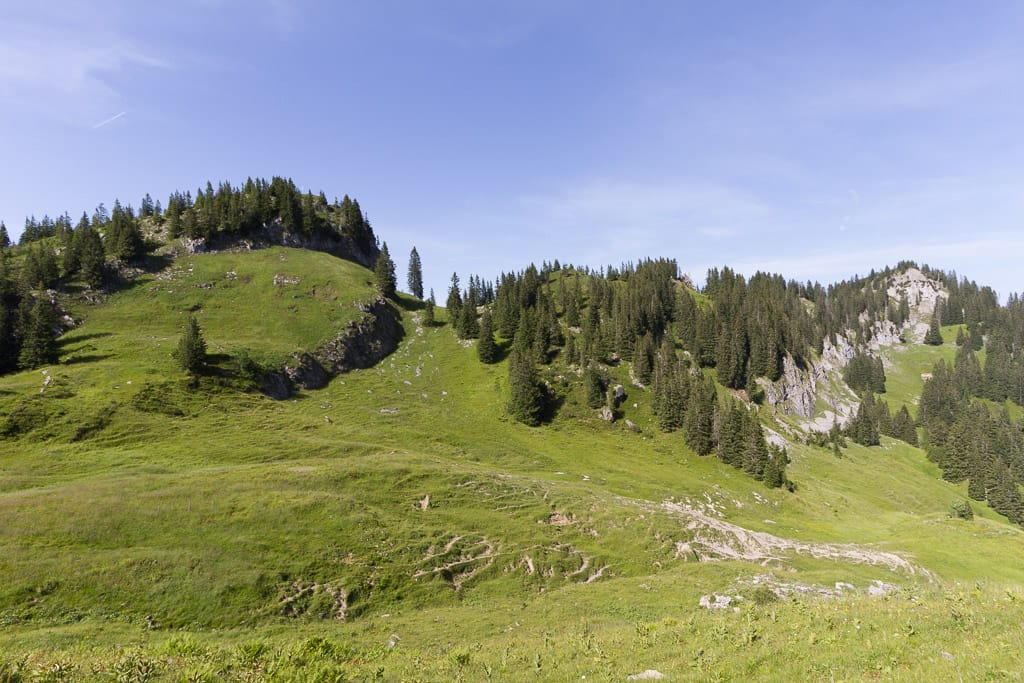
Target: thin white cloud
(113,118)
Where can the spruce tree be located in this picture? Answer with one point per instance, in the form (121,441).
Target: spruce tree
(5,239)
(39,346)
(384,271)
(903,427)
(934,335)
(91,256)
(454,302)
(191,352)
(593,386)
(774,475)
(428,311)
(700,416)
(467,326)
(124,239)
(486,348)
(526,400)
(864,426)
(415,276)
(643,359)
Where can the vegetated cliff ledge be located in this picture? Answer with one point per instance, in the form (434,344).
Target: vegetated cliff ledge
(273,234)
(362,344)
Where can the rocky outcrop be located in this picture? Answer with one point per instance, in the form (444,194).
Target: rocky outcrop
(364,342)
(305,372)
(361,344)
(274,234)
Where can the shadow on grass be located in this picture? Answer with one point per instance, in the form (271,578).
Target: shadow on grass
(87,358)
(504,348)
(72,338)
(407,303)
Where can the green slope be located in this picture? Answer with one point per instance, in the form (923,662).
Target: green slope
(402,498)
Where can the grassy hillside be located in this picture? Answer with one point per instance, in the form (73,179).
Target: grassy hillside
(397,525)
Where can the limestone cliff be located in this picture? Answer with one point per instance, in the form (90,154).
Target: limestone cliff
(817,394)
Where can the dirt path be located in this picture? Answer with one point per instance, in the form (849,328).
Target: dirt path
(716,539)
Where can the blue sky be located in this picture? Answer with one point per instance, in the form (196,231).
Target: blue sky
(817,139)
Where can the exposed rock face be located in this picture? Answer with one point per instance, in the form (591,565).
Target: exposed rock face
(798,389)
(305,372)
(363,342)
(922,294)
(275,385)
(618,395)
(273,234)
(360,345)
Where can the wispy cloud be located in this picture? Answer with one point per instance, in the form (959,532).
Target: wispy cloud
(64,71)
(627,204)
(915,86)
(989,258)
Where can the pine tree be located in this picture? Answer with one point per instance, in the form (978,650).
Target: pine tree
(486,348)
(39,346)
(384,272)
(5,239)
(191,352)
(415,278)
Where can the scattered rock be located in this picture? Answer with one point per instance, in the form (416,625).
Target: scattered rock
(631,426)
(606,414)
(715,601)
(561,519)
(878,588)
(281,280)
(648,675)
(618,395)
(424,503)
(389,411)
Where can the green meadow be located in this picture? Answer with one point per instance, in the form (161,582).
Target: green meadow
(397,525)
